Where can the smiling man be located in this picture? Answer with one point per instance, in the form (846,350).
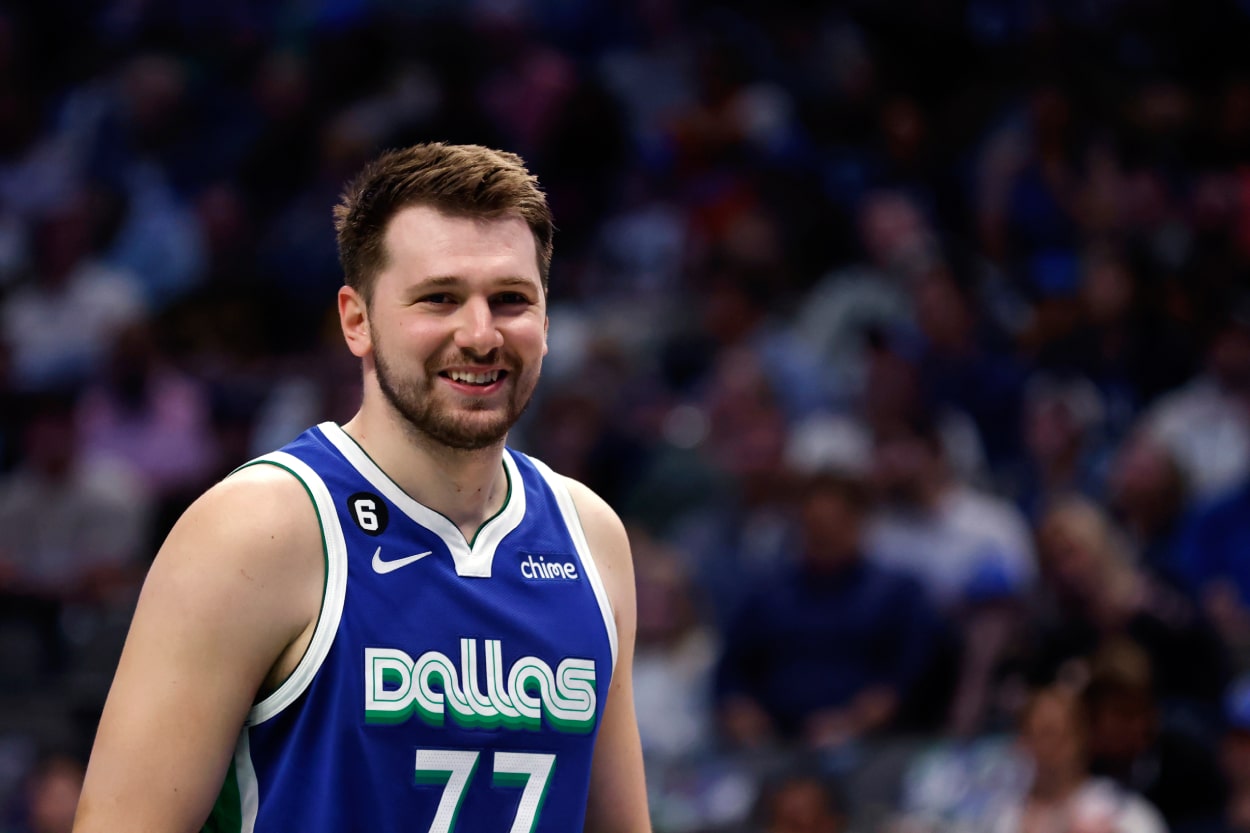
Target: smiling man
(396,624)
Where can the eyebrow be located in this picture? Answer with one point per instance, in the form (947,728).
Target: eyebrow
(456,280)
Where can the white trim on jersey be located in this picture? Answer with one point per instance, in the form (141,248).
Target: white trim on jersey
(249,790)
(574,523)
(474,561)
(332,601)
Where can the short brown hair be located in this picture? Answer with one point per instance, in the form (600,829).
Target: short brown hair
(460,180)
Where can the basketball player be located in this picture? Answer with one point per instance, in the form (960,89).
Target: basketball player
(396,624)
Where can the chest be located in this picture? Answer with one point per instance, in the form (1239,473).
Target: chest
(462,638)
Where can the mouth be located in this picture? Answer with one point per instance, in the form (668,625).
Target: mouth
(480,380)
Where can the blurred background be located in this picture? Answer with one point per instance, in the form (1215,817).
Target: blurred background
(910,339)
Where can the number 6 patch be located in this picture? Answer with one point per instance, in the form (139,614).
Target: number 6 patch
(369,512)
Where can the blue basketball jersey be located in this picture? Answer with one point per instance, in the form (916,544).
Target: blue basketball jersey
(450,685)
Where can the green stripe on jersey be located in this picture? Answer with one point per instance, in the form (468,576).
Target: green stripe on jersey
(227,814)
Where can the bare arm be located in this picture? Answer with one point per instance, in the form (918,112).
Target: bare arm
(223,616)
(618,792)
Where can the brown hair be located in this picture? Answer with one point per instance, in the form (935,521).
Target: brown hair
(460,180)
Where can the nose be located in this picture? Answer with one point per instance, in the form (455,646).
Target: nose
(476,331)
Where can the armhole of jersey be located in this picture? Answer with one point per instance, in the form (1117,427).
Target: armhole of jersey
(334,550)
(574,523)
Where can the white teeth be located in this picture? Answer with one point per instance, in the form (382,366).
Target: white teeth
(473,378)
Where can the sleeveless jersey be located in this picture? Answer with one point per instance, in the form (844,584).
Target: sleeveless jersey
(450,685)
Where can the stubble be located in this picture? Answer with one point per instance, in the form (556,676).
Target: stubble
(429,415)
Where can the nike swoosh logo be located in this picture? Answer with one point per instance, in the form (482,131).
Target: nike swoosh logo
(384,567)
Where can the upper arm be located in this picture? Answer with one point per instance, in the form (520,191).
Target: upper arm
(235,586)
(618,797)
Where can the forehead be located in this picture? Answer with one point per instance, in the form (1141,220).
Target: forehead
(423,242)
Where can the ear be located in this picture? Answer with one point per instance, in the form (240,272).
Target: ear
(354,319)
(546,326)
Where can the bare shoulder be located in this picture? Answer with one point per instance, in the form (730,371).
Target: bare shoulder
(251,541)
(604,530)
(276,499)
(260,514)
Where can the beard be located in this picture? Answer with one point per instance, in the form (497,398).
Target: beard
(478,426)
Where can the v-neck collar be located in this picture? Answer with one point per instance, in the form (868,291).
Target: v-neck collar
(472,559)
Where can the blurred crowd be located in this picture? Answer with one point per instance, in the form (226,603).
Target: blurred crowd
(910,339)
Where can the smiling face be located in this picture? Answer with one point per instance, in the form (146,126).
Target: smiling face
(456,325)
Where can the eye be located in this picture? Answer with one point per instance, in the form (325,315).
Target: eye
(437,298)
(508,299)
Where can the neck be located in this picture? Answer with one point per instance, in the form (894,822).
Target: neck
(1055,786)
(467,487)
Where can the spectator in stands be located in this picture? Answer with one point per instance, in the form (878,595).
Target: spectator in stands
(1063,796)
(1212,558)
(829,651)
(721,499)
(898,245)
(1026,177)
(674,657)
(146,414)
(965,364)
(1136,743)
(800,802)
(894,394)
(959,541)
(1116,337)
(1062,419)
(1206,423)
(969,549)
(60,323)
(1093,593)
(1148,495)
(71,531)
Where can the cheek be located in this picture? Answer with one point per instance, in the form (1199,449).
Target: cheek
(406,349)
(527,338)
(414,338)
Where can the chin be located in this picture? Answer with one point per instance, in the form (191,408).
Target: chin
(467,436)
